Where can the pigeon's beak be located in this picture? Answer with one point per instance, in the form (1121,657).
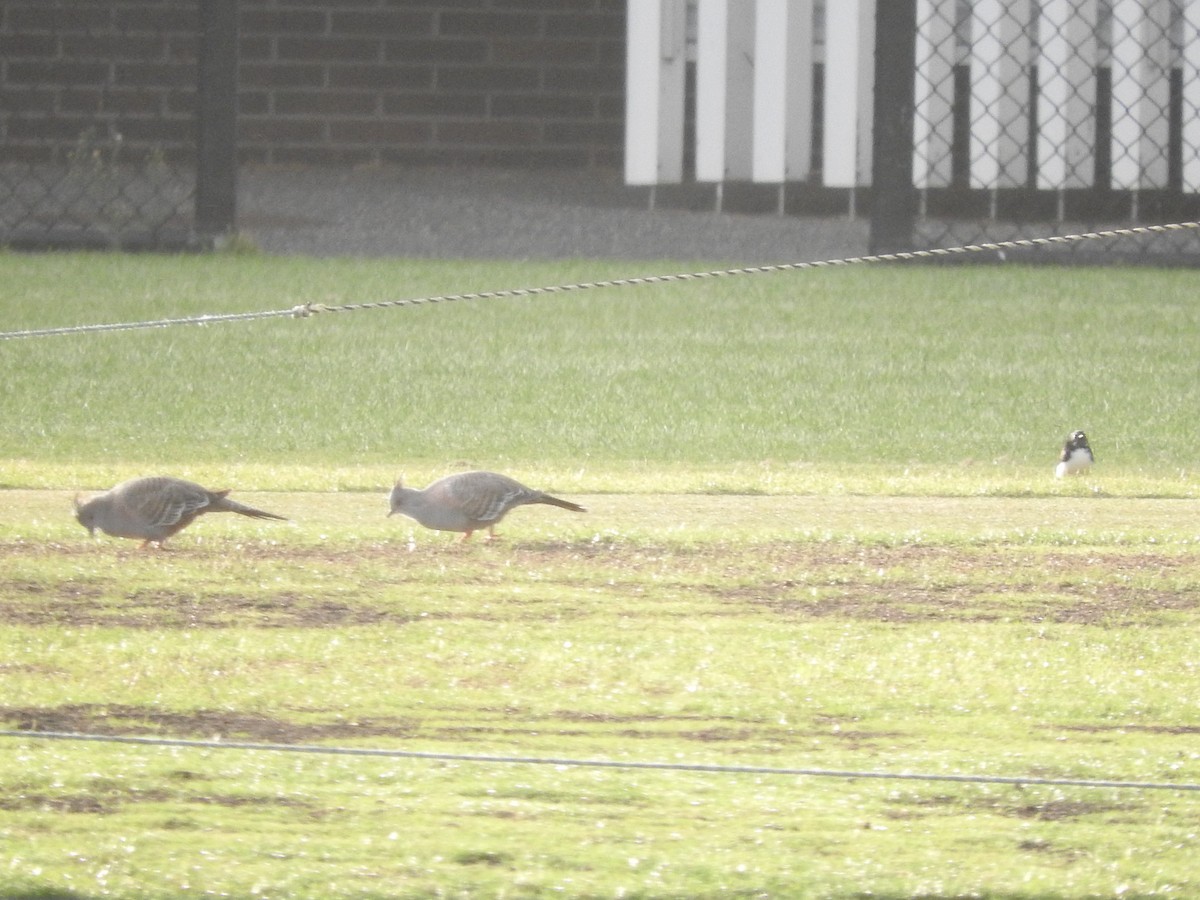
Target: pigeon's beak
(79,517)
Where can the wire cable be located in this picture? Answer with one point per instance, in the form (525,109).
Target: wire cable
(304,311)
(566,762)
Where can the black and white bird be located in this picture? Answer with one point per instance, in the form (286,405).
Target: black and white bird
(1076,457)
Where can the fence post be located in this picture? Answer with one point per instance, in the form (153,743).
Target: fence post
(655,75)
(893,204)
(216,119)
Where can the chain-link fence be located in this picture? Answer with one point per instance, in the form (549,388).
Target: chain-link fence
(98,128)
(1037,118)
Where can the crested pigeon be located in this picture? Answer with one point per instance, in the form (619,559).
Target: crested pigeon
(1076,457)
(468,501)
(154,509)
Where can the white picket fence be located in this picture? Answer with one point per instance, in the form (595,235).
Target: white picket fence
(754,61)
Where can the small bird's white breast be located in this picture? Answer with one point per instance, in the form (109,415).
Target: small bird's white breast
(1079,460)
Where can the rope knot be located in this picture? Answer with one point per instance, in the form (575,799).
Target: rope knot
(305,310)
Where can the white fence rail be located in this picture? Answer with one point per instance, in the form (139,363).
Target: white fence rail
(1033,94)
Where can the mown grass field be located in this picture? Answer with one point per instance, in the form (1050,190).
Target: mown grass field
(822,534)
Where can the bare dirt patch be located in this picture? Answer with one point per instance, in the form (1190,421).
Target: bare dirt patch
(906,583)
(152,609)
(116,719)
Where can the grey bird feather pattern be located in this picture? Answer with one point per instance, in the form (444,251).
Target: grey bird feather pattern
(469,501)
(155,508)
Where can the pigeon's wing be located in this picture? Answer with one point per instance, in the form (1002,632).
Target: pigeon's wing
(163,502)
(486,496)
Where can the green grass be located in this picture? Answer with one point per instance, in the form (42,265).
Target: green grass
(822,534)
(987,368)
(695,631)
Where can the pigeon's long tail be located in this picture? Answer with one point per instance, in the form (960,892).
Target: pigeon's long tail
(228,505)
(563,504)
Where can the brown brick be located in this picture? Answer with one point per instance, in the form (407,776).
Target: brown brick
(494,82)
(383,22)
(250,156)
(381,77)
(290,74)
(153,74)
(330,49)
(157,18)
(536,52)
(119,100)
(611,107)
(253,103)
(440,50)
(37,98)
(281,131)
(183,103)
(112,46)
(612,157)
(35,154)
(438,6)
(485,132)
(63,129)
(157,130)
(584,132)
(184,48)
(435,104)
(489,24)
(542,106)
(489,78)
(599,25)
(90,101)
(534,157)
(255,49)
(282,21)
(379,131)
(420,156)
(571,7)
(611,53)
(58,72)
(303,4)
(324,102)
(585,80)
(42,16)
(34,46)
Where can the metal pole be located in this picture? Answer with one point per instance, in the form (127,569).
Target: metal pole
(216,119)
(893,205)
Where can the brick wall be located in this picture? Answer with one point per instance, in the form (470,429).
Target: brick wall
(81,78)
(502,82)
(496,82)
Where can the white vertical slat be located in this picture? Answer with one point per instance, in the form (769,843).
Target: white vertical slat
(1000,52)
(783,67)
(933,124)
(1067,43)
(1191,96)
(724,89)
(1141,90)
(655,66)
(849,92)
